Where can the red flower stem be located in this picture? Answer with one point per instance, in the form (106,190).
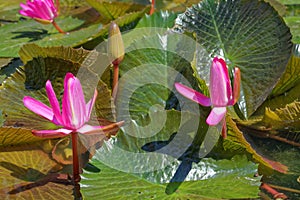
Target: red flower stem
(57,6)
(76,176)
(273,192)
(152,7)
(58,28)
(116,77)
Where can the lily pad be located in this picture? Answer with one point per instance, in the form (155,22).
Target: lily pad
(291,75)
(113,10)
(217,180)
(28,172)
(26,31)
(250,35)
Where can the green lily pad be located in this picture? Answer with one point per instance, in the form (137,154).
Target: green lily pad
(113,10)
(217,180)
(162,19)
(30,31)
(287,89)
(293,23)
(250,35)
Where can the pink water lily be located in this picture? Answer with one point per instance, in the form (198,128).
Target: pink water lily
(43,11)
(221,93)
(74,113)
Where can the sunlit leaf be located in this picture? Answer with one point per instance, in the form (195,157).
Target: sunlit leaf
(27,31)
(114,10)
(279,101)
(10,136)
(237,142)
(162,19)
(293,23)
(217,180)
(26,173)
(284,117)
(291,74)
(279,7)
(125,22)
(249,34)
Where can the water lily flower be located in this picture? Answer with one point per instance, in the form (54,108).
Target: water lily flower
(221,93)
(73,115)
(43,11)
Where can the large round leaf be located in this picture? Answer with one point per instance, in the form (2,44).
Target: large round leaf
(249,34)
(217,180)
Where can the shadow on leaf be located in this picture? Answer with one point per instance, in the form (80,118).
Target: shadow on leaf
(35,177)
(32,35)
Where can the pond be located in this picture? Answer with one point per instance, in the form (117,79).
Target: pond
(149,100)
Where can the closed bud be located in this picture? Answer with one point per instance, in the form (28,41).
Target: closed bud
(115,44)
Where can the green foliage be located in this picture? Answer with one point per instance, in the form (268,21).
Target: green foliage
(23,32)
(163,127)
(291,75)
(162,19)
(28,172)
(113,10)
(33,171)
(283,118)
(219,179)
(250,35)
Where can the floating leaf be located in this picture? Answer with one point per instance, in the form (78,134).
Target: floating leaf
(162,19)
(10,136)
(219,180)
(236,142)
(279,101)
(25,173)
(249,34)
(281,9)
(27,31)
(283,118)
(291,74)
(293,23)
(125,22)
(114,10)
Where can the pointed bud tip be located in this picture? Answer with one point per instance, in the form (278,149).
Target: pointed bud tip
(115,44)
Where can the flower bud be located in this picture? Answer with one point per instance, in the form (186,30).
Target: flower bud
(115,44)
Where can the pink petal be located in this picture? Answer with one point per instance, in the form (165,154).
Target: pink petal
(193,94)
(38,107)
(53,101)
(39,9)
(90,104)
(52,133)
(219,84)
(216,115)
(88,129)
(66,116)
(45,11)
(74,108)
(107,130)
